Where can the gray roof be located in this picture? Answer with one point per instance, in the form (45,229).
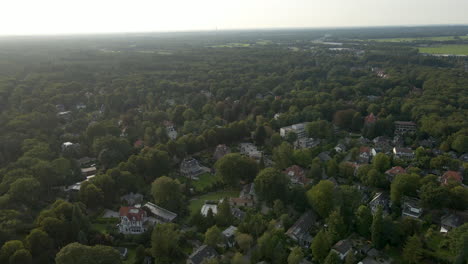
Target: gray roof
(451,220)
(343,246)
(230,231)
(160,212)
(302,225)
(202,253)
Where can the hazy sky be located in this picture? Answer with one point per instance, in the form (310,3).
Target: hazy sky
(89,16)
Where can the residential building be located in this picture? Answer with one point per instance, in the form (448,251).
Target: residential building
(201,254)
(221,151)
(342,248)
(411,207)
(402,127)
(238,202)
(237,213)
(298,129)
(162,215)
(340,148)
(131,220)
(209,205)
(370,119)
(170,130)
(450,221)
(89,171)
(324,156)
(247,197)
(297,175)
(403,153)
(451,176)
(132,198)
(391,173)
(380,200)
(250,150)
(191,168)
(300,231)
(364,154)
(305,143)
(229,236)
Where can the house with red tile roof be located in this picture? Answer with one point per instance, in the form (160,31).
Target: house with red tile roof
(391,173)
(451,176)
(131,220)
(370,119)
(297,175)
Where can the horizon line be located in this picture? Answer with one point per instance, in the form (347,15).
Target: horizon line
(70,34)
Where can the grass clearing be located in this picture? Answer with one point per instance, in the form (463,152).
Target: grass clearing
(446,49)
(131,256)
(197,202)
(205,182)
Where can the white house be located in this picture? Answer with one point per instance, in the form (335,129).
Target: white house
(342,248)
(131,220)
(250,150)
(298,129)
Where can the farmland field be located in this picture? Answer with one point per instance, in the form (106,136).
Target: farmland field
(446,49)
(443,38)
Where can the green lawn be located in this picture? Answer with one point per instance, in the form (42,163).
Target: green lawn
(446,49)
(205,182)
(131,256)
(103,225)
(197,202)
(443,38)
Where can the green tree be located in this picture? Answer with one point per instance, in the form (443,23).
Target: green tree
(283,155)
(238,258)
(244,241)
(404,184)
(458,196)
(26,191)
(336,226)
(260,135)
(91,195)
(165,243)
(377,230)
(75,253)
(350,258)
(21,256)
(8,249)
(271,184)
(460,144)
(433,196)
(315,171)
(39,244)
(213,236)
(332,258)
(413,250)
(224,216)
(332,168)
(363,220)
(381,162)
(234,167)
(319,129)
(321,197)
(321,246)
(296,256)
(167,193)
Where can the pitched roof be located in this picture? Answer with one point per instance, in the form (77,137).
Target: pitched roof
(202,253)
(132,213)
(303,224)
(343,246)
(371,118)
(452,176)
(396,170)
(160,212)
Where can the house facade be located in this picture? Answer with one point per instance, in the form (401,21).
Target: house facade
(131,220)
(298,129)
(300,231)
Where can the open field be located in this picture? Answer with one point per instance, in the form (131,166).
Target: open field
(232,45)
(446,49)
(197,203)
(205,182)
(443,38)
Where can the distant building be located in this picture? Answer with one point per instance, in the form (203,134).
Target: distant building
(300,231)
(305,143)
(411,207)
(89,171)
(402,127)
(247,197)
(403,153)
(391,173)
(191,168)
(451,176)
(131,220)
(221,151)
(297,175)
(298,129)
(202,254)
(229,236)
(132,198)
(209,206)
(342,248)
(380,200)
(250,150)
(340,148)
(450,221)
(370,119)
(162,215)
(66,115)
(364,154)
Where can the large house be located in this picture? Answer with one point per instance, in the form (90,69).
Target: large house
(132,198)
(297,175)
(411,207)
(247,197)
(298,129)
(250,150)
(380,200)
(393,172)
(229,236)
(191,168)
(402,127)
(160,214)
(450,221)
(201,254)
(364,154)
(132,220)
(300,231)
(403,153)
(342,248)
(451,176)
(305,143)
